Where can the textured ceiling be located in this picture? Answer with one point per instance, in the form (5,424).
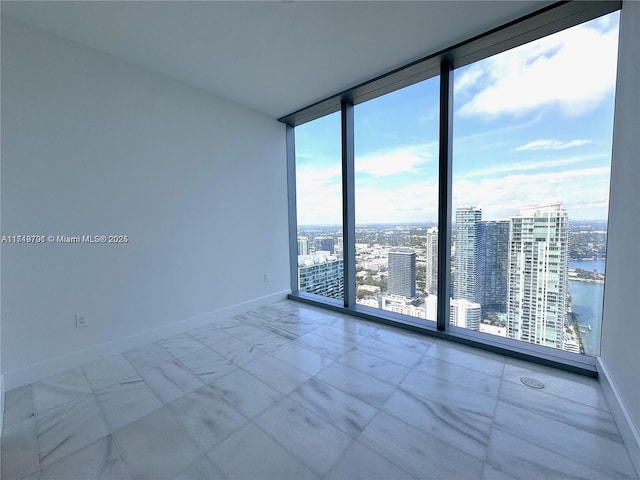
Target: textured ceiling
(272,56)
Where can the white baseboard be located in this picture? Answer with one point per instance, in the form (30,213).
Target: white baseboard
(39,371)
(628,429)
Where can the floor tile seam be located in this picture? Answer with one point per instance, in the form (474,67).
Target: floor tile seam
(4,413)
(390,353)
(102,416)
(96,390)
(385,359)
(363,445)
(86,377)
(175,362)
(119,449)
(329,361)
(316,349)
(173,417)
(454,384)
(77,449)
(470,370)
(263,350)
(441,403)
(441,441)
(100,407)
(282,361)
(493,425)
(384,452)
(192,335)
(295,455)
(201,447)
(294,344)
(236,337)
(395,387)
(210,452)
(289,396)
(34,435)
(564,398)
(176,357)
(147,368)
(185,366)
(619,440)
(403,377)
(379,358)
(333,467)
(343,343)
(492,431)
(235,409)
(37,415)
(604,472)
(364,337)
(90,392)
(235,361)
(405,335)
(281,395)
(146,384)
(464,366)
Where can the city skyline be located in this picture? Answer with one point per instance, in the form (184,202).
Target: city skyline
(509,277)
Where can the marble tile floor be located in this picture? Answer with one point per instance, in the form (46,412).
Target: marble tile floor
(290,391)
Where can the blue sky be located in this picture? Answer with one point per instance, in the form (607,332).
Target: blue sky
(531,126)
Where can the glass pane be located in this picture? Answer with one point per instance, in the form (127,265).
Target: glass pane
(396,195)
(532,153)
(319,207)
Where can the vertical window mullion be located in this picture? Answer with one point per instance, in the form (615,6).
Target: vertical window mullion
(293,216)
(444,193)
(348,205)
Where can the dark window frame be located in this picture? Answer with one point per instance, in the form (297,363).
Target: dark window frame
(546,21)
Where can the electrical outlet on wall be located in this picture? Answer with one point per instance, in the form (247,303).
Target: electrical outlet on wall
(81,320)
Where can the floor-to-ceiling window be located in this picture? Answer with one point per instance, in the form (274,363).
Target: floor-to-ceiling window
(319,207)
(531,158)
(396,200)
(516,187)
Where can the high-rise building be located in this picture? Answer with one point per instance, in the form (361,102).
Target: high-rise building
(303,246)
(492,253)
(465,314)
(325,244)
(537,275)
(322,274)
(432,261)
(402,272)
(464,280)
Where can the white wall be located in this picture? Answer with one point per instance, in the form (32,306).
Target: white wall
(1,376)
(621,318)
(93,145)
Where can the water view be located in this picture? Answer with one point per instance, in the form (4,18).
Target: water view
(586,302)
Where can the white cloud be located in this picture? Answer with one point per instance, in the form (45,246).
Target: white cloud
(551,145)
(527,166)
(583,192)
(417,202)
(383,163)
(571,71)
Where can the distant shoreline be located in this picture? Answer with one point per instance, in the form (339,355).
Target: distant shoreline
(586,280)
